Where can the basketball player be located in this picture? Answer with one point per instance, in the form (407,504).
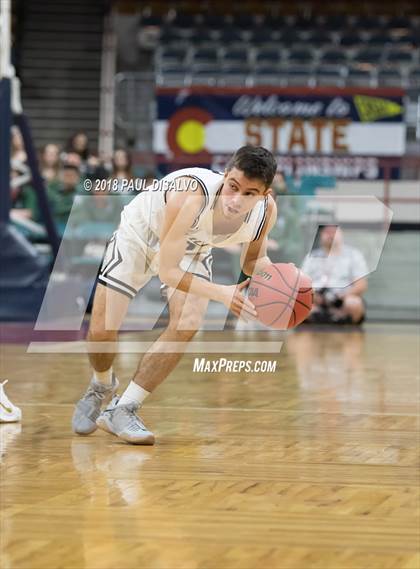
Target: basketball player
(170,233)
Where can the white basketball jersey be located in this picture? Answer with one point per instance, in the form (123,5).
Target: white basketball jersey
(147,209)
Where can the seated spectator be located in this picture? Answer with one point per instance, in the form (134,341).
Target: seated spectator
(78,144)
(17,149)
(95,168)
(73,159)
(101,207)
(24,212)
(62,192)
(50,162)
(22,196)
(121,167)
(332,267)
(94,217)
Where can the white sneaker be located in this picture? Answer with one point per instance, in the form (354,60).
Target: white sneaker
(9,413)
(121,420)
(88,408)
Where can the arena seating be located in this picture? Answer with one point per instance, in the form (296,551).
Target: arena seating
(256,49)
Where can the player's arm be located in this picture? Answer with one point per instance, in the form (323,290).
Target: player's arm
(254,255)
(181,210)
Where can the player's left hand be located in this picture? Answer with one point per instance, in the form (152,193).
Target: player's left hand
(234,299)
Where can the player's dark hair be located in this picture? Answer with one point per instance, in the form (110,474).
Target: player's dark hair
(255,162)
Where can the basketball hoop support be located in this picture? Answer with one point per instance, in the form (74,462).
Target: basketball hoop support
(6,73)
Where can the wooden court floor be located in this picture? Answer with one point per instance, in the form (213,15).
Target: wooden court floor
(315,466)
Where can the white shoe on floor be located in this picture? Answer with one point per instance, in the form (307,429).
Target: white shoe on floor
(121,420)
(9,413)
(88,408)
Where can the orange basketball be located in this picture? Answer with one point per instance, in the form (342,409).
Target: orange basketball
(282,295)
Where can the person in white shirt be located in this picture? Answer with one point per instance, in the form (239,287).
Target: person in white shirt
(338,274)
(169,230)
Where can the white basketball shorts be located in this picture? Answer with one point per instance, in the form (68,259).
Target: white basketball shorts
(131,259)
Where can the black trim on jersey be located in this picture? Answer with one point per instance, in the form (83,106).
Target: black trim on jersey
(108,285)
(205,192)
(202,277)
(216,195)
(115,261)
(111,266)
(206,199)
(261,225)
(115,281)
(208,262)
(114,257)
(121,283)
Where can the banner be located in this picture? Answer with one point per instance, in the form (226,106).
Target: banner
(339,132)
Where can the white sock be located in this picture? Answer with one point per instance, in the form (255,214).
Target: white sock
(104,377)
(133,394)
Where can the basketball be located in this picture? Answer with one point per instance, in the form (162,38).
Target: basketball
(282,295)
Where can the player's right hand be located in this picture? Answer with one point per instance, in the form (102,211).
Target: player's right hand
(233,298)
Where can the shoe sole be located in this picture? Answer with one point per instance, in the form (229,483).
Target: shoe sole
(84,433)
(149,440)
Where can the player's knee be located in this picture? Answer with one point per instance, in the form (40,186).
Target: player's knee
(186,335)
(354,307)
(353,302)
(98,333)
(184,332)
(189,322)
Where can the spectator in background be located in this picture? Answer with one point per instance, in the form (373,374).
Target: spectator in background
(73,159)
(121,165)
(97,209)
(50,162)
(78,152)
(17,150)
(22,196)
(122,171)
(95,215)
(331,267)
(95,168)
(79,143)
(62,193)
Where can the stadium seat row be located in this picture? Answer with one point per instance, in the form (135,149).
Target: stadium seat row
(273,53)
(288,75)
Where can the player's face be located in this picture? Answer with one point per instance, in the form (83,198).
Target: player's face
(240,194)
